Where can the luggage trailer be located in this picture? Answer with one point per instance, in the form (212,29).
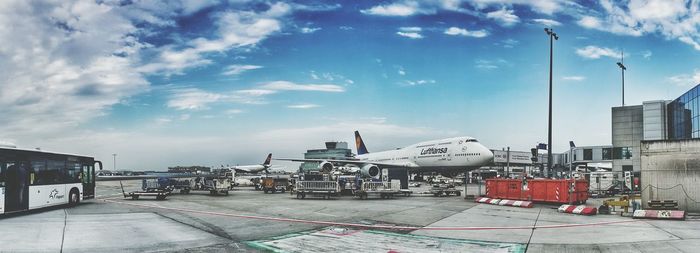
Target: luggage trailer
(323,189)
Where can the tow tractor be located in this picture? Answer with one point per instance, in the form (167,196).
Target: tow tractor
(274,184)
(444,189)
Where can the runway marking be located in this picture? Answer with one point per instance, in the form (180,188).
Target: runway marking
(388,227)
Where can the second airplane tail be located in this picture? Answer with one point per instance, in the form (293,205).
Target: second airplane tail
(267,161)
(361,149)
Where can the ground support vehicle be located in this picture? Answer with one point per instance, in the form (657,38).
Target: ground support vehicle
(384,190)
(274,184)
(444,190)
(324,189)
(158,193)
(215,185)
(217,182)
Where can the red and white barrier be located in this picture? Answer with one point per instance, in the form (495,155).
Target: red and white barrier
(504,202)
(659,214)
(516,203)
(487,200)
(582,209)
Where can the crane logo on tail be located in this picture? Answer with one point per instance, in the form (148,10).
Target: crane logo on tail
(361,149)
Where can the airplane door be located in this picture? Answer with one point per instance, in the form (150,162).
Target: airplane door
(17,186)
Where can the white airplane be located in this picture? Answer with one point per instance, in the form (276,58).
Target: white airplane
(252,169)
(446,156)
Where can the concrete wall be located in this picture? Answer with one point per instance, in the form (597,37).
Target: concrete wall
(671,170)
(654,120)
(627,131)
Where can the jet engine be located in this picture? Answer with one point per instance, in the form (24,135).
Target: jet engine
(369,170)
(325,166)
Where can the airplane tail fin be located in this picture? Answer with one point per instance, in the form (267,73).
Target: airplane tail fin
(267,161)
(361,149)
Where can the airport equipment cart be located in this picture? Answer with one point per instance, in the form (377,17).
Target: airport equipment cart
(214,184)
(324,189)
(444,189)
(158,193)
(384,190)
(274,184)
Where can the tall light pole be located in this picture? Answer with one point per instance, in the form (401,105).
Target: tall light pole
(552,36)
(115,161)
(622,68)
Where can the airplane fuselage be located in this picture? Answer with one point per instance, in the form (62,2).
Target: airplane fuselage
(452,153)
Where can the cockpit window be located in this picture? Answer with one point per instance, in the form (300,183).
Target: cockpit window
(472,140)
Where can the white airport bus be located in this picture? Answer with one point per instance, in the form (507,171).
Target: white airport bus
(31,179)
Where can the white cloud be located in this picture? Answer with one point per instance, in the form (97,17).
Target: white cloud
(233,70)
(234,111)
(540,6)
(418,82)
(310,29)
(509,43)
(574,78)
(595,52)
(192,99)
(547,22)
(504,16)
(410,32)
(286,85)
(490,64)
(406,8)
(64,63)
(686,79)
(303,106)
(256,92)
(674,19)
(411,35)
(464,32)
(589,22)
(234,29)
(410,29)
(646,54)
(401,71)
(185,117)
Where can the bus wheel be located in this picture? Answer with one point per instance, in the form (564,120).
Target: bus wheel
(73,197)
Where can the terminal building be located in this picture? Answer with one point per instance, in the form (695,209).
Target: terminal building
(335,150)
(652,121)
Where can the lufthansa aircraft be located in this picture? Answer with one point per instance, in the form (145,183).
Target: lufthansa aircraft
(252,169)
(446,156)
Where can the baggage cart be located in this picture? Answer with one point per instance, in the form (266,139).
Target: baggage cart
(324,189)
(384,190)
(158,193)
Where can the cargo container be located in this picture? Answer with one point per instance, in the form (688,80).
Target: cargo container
(538,190)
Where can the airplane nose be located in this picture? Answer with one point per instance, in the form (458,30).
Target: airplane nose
(489,155)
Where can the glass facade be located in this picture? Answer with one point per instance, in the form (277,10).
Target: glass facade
(684,115)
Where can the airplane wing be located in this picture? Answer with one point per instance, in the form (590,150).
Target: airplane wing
(353,162)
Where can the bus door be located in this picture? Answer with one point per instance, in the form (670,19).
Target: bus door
(88,180)
(16,185)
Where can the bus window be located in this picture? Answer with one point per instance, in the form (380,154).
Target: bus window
(72,173)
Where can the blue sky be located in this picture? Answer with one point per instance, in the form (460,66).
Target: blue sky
(225,82)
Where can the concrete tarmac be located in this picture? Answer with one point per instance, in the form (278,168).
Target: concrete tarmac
(201,223)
